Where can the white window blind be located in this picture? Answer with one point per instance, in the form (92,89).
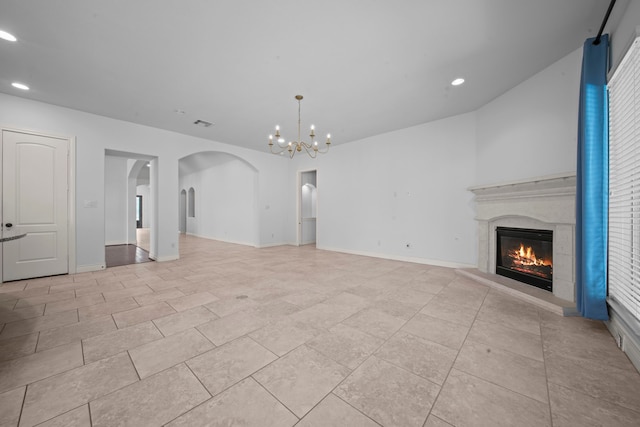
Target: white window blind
(624,182)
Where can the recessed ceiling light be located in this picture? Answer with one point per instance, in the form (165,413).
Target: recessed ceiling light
(7,36)
(20,86)
(457,82)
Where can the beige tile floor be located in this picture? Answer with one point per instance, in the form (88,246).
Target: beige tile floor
(231,335)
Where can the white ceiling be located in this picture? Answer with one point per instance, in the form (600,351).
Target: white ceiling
(364,66)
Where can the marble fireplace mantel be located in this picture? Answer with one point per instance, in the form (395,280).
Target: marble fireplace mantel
(544,203)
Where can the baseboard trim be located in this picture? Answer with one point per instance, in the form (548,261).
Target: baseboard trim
(117,242)
(90,268)
(271,245)
(623,326)
(164,258)
(234,242)
(415,260)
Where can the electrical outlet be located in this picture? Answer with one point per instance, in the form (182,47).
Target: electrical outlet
(619,340)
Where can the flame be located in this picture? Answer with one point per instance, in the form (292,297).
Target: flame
(526,256)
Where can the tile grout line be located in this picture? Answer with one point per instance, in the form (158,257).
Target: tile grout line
(84,360)
(440,387)
(90,414)
(457,355)
(272,395)
(24,399)
(197,378)
(373,354)
(499,385)
(135,369)
(346,403)
(546,371)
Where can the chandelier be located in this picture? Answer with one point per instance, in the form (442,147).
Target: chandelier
(311,148)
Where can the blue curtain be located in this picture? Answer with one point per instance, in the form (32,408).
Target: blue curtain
(592,182)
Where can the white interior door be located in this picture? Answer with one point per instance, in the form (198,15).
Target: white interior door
(34,202)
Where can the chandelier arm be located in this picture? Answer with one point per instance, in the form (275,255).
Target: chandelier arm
(324,150)
(276,152)
(305,145)
(312,153)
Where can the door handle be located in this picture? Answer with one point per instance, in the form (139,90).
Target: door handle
(8,225)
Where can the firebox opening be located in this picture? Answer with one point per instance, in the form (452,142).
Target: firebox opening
(525,255)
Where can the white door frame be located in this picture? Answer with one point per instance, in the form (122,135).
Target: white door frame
(71,193)
(299,204)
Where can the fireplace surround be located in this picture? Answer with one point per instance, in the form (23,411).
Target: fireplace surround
(543,203)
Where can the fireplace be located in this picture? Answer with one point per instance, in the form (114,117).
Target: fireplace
(541,203)
(525,255)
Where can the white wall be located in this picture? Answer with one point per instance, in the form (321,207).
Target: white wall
(95,134)
(409,186)
(225,201)
(531,130)
(115,200)
(625,32)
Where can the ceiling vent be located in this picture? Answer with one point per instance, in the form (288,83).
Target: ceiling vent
(202,123)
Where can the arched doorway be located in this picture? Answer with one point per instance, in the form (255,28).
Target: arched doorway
(226,189)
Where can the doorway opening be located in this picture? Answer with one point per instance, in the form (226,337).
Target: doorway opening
(307,207)
(183,212)
(138,211)
(129,208)
(219,197)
